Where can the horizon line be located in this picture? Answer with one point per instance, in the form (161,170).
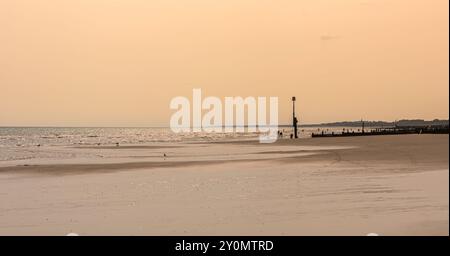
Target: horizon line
(282,125)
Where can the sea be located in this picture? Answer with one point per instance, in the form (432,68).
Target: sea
(20,143)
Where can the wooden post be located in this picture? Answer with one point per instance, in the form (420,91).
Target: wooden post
(294,118)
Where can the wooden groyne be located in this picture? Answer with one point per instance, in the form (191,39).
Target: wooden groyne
(388,131)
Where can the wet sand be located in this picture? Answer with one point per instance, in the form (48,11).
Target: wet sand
(391,185)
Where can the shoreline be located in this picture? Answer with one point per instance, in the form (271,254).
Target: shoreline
(348,149)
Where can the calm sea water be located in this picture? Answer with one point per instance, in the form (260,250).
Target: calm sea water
(29,136)
(21,143)
(51,136)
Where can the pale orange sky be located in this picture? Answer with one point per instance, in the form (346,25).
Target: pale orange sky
(119,63)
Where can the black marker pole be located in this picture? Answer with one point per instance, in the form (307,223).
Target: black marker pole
(294,119)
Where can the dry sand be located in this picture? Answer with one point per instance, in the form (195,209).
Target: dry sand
(390,185)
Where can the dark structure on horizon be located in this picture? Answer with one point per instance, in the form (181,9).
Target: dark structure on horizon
(431,129)
(376,124)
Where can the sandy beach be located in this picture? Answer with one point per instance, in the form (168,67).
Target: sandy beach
(389,185)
